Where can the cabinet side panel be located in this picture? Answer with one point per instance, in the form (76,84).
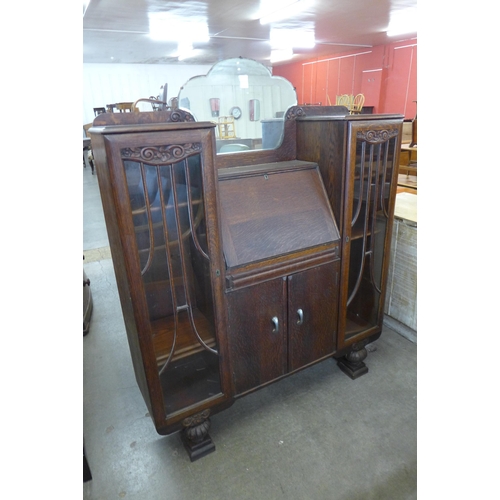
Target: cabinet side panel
(110,216)
(323,143)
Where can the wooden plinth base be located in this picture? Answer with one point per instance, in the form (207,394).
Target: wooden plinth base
(352,363)
(352,370)
(199,449)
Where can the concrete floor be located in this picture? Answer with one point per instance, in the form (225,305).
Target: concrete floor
(316,435)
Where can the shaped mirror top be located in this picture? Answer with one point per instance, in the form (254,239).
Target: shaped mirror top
(244,99)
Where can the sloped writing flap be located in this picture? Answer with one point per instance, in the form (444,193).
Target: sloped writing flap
(274,213)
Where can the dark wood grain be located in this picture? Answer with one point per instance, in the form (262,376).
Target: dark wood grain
(368,218)
(323,142)
(269,214)
(258,354)
(315,293)
(151,338)
(280,236)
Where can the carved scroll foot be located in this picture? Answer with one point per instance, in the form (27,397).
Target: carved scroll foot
(195,436)
(352,363)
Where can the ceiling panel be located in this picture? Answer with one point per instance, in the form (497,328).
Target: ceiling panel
(118,30)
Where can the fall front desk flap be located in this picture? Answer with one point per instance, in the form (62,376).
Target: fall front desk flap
(273,209)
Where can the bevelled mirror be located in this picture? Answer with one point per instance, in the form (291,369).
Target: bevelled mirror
(244,99)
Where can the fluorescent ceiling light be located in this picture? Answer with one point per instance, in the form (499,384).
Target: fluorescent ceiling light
(85,5)
(167,27)
(403,21)
(185,50)
(277,10)
(283,41)
(281,55)
(286,38)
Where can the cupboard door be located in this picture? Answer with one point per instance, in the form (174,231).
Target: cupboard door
(257,333)
(372,165)
(169,241)
(312,314)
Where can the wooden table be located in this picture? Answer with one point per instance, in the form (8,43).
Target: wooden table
(407,183)
(410,150)
(411,166)
(407,147)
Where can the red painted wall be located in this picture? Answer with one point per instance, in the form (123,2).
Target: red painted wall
(385,74)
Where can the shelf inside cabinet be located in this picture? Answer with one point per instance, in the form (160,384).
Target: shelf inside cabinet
(190,380)
(355,325)
(157,209)
(358,230)
(186,343)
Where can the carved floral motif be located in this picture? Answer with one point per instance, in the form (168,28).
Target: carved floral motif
(180,116)
(197,426)
(376,136)
(196,419)
(161,154)
(294,112)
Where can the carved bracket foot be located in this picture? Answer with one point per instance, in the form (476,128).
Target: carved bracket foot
(195,436)
(352,363)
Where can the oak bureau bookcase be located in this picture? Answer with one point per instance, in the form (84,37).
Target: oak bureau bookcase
(235,270)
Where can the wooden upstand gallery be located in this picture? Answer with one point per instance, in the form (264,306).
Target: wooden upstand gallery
(237,270)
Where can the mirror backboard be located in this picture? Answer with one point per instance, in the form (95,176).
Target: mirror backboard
(246,101)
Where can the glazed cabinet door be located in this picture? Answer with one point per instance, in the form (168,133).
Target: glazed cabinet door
(257,333)
(162,187)
(371,178)
(312,314)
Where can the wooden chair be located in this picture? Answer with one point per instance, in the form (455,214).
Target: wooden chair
(357,105)
(156,104)
(414,131)
(343,100)
(88,157)
(122,107)
(226,127)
